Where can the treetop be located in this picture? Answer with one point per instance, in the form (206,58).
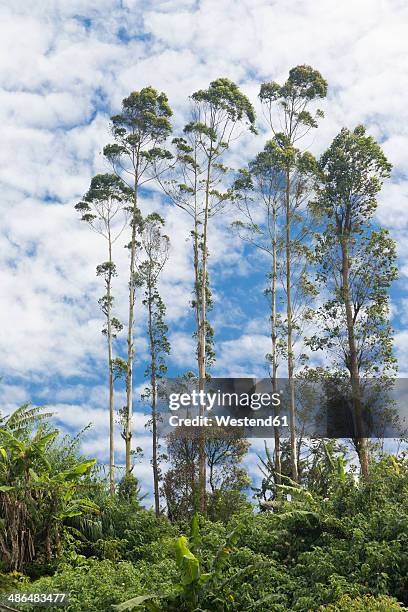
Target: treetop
(352,171)
(225,94)
(304,83)
(144,112)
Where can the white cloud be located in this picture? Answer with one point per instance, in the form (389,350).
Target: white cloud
(244,356)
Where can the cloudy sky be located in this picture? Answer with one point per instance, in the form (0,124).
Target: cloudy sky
(65,66)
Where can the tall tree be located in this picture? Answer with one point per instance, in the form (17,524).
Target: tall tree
(356,266)
(258,195)
(218,115)
(180,480)
(225,450)
(288,106)
(139,132)
(153,254)
(104,209)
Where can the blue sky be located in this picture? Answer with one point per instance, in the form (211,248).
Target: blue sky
(64,68)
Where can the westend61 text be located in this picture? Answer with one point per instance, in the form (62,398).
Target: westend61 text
(227,421)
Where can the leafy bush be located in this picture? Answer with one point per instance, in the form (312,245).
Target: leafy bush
(14,581)
(339,545)
(195,589)
(37,495)
(147,537)
(364,604)
(96,585)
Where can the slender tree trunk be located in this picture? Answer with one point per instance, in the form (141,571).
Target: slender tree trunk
(199,325)
(111,389)
(197,499)
(202,347)
(361,440)
(130,347)
(197,290)
(292,404)
(153,382)
(211,475)
(278,467)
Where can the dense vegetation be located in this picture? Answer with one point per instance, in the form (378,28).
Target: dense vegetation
(326,528)
(339,545)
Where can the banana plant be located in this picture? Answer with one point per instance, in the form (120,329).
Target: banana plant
(24,419)
(34,498)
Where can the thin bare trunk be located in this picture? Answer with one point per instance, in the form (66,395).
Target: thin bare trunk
(153,381)
(130,352)
(202,345)
(278,467)
(292,403)
(199,325)
(361,440)
(110,365)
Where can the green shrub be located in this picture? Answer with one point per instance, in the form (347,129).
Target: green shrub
(14,581)
(364,604)
(96,585)
(147,537)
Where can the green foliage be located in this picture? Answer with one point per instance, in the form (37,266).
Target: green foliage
(36,495)
(22,420)
(351,174)
(153,255)
(106,196)
(317,551)
(222,505)
(352,171)
(138,130)
(210,590)
(128,488)
(225,450)
(96,585)
(13,581)
(303,86)
(224,95)
(364,604)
